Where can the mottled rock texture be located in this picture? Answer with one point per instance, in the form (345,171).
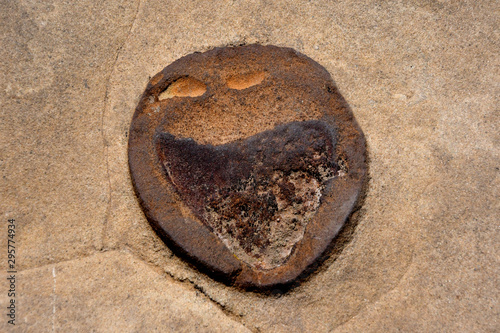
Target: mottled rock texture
(421,78)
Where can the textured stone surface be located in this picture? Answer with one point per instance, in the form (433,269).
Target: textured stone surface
(113,292)
(421,78)
(53,76)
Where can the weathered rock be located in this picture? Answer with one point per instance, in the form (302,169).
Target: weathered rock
(247,160)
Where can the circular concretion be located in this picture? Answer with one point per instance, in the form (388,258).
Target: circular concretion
(247,161)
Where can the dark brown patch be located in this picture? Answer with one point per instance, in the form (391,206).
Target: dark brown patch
(257,195)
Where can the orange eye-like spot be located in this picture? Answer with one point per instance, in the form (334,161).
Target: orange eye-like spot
(184,87)
(243,81)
